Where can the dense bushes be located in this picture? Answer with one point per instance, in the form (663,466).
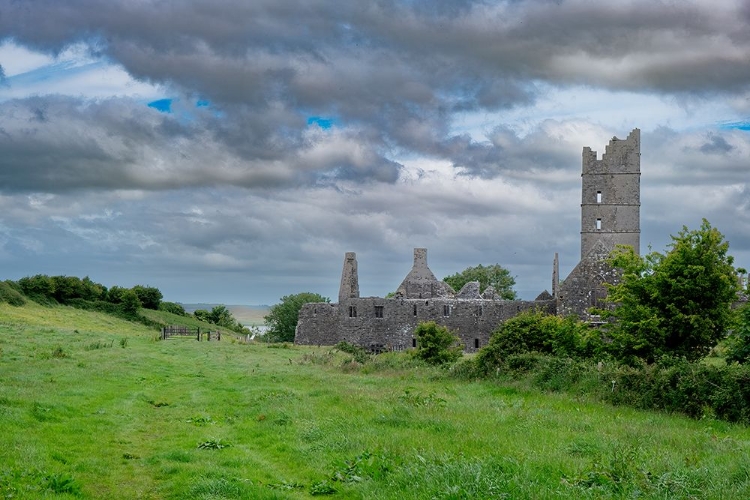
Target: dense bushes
(172,307)
(11,293)
(739,341)
(558,354)
(86,294)
(436,344)
(536,331)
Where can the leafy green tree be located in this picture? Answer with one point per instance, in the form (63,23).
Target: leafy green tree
(282,317)
(39,286)
(149,296)
(114,294)
(92,290)
(172,307)
(739,342)
(675,304)
(436,344)
(130,303)
(202,315)
(495,276)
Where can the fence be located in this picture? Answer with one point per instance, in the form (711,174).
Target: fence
(184,331)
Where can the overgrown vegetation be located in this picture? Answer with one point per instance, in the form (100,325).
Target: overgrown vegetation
(220,316)
(436,344)
(282,318)
(675,304)
(495,276)
(738,344)
(83,293)
(154,421)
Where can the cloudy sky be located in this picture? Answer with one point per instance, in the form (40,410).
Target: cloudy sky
(233,151)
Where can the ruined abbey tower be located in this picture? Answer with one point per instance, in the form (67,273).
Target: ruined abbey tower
(610,215)
(611,195)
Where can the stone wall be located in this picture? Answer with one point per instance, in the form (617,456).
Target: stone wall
(375,322)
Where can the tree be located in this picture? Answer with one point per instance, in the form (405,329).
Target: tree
(282,317)
(149,296)
(129,303)
(202,315)
(495,276)
(172,307)
(739,342)
(114,294)
(674,304)
(436,344)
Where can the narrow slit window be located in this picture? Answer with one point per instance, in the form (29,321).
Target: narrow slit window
(378,311)
(415,309)
(352,311)
(598,196)
(446,310)
(598,224)
(476,343)
(414,342)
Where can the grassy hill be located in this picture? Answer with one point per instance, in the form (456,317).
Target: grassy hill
(95,407)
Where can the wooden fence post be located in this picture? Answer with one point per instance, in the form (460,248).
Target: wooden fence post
(199,334)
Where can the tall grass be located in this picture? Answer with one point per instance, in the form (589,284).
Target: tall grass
(184,419)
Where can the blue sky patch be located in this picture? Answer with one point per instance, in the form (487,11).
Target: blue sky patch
(322,122)
(744,125)
(202,103)
(163,105)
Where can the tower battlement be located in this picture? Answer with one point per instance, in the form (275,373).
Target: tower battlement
(610,195)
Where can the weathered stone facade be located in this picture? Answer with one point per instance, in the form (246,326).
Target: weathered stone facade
(610,215)
(379,323)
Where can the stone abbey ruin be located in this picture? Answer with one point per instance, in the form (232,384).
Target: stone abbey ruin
(610,215)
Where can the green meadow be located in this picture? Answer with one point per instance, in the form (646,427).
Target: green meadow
(92,406)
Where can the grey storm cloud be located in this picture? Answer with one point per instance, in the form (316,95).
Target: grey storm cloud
(391,73)
(429,141)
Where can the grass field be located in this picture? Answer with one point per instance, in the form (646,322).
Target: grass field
(95,407)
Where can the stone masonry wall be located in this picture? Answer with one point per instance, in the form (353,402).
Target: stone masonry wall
(359,321)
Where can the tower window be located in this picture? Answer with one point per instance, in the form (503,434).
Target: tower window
(598,196)
(378,311)
(598,224)
(352,311)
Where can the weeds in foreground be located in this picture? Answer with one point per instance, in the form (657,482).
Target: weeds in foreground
(213,444)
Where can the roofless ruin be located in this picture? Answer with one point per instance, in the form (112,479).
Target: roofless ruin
(610,215)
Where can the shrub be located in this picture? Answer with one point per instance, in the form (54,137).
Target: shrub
(536,331)
(436,344)
(11,293)
(738,349)
(149,296)
(172,307)
(358,353)
(130,303)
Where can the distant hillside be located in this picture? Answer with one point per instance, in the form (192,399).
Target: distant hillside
(247,315)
